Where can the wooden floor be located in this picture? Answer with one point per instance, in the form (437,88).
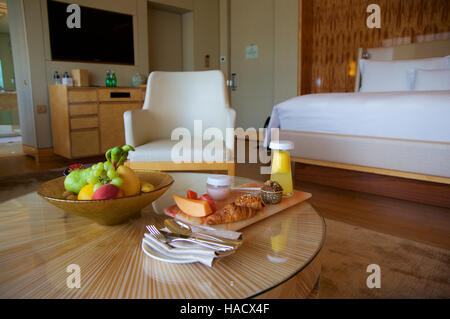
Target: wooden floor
(23,164)
(422,223)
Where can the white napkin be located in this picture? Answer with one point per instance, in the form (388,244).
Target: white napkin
(216,232)
(181,251)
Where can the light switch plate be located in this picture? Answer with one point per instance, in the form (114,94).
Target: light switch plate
(251,51)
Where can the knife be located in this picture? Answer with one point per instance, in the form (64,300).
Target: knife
(178,227)
(199,240)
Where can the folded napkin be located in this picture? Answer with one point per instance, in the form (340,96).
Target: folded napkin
(216,232)
(182,252)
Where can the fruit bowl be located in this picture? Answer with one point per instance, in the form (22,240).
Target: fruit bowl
(107,211)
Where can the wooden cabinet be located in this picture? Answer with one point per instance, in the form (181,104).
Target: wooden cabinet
(112,114)
(87,121)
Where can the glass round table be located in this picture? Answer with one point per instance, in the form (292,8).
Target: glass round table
(42,248)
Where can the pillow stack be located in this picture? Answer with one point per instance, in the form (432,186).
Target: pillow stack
(405,75)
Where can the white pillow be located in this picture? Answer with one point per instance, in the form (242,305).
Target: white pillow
(431,80)
(385,76)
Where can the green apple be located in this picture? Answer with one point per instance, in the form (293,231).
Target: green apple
(76,180)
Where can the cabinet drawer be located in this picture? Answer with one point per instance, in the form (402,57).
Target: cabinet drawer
(85,143)
(110,95)
(83,122)
(82,95)
(83,109)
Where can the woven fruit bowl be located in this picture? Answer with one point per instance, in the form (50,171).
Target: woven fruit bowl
(107,211)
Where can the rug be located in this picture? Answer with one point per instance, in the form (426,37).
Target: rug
(408,269)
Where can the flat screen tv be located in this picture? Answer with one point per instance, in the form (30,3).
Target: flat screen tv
(103,36)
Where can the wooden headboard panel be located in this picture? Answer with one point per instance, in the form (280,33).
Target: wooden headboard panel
(403,52)
(331,31)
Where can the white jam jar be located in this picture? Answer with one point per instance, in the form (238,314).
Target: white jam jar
(218,186)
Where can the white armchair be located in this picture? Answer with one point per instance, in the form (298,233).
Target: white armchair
(176,100)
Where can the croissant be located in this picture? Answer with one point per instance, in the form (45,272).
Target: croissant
(250,201)
(230,213)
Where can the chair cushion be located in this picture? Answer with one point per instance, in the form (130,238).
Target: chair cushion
(161,151)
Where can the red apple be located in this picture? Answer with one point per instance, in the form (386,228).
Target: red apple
(121,193)
(107,191)
(207,198)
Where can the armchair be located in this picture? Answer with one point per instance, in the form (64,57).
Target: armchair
(180,100)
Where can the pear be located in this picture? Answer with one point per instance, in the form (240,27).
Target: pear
(131,183)
(76,180)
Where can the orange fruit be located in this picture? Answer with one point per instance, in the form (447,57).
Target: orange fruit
(86,192)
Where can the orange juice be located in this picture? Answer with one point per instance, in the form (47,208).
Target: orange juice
(281,166)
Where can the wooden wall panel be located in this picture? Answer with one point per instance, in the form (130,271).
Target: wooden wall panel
(333,30)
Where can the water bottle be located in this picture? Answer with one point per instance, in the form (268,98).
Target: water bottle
(67,80)
(56,78)
(113,80)
(108,78)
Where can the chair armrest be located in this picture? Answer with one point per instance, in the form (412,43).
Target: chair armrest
(136,127)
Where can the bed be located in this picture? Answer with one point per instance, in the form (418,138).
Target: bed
(384,127)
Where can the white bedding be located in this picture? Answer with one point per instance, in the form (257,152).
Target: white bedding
(422,116)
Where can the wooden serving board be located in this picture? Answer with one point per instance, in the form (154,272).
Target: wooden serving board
(267,211)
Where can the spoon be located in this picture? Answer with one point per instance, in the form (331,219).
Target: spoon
(181,228)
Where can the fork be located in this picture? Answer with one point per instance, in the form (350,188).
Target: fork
(157,234)
(202,242)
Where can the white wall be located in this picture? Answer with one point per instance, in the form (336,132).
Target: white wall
(206,34)
(187,30)
(31,48)
(285,50)
(279,33)
(19,45)
(33,65)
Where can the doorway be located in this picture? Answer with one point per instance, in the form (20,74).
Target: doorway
(170,38)
(251,60)
(263,57)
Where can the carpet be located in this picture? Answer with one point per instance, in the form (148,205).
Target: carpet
(408,269)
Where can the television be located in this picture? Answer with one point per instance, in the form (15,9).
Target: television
(103,36)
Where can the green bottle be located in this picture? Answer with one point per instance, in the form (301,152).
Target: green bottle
(114,80)
(108,78)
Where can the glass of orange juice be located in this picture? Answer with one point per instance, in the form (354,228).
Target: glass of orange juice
(281,165)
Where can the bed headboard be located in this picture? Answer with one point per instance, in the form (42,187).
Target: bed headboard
(403,52)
